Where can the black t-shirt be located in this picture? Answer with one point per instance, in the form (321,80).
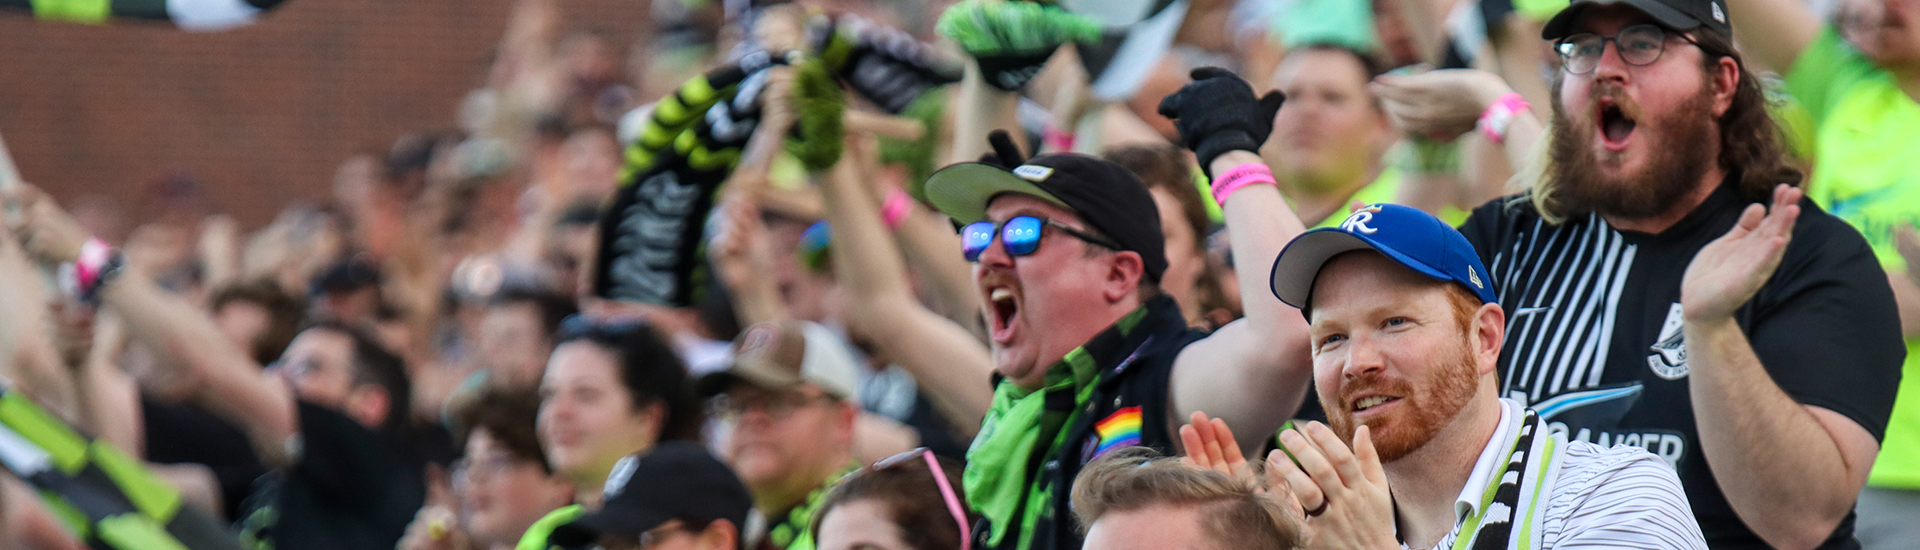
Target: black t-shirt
(1594,341)
(179,434)
(351,489)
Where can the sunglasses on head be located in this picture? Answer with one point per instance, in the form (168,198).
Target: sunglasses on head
(1021,235)
(939,478)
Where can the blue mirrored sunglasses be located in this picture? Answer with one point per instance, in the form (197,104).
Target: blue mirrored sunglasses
(1021,235)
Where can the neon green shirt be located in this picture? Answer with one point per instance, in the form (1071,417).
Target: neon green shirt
(1385,189)
(1867,172)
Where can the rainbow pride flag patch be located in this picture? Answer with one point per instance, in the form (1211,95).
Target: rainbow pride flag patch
(1119,430)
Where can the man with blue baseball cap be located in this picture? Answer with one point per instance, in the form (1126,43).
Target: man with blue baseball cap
(1422,451)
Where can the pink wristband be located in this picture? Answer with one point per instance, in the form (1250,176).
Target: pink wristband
(87,266)
(1240,176)
(1494,121)
(1057,139)
(893,211)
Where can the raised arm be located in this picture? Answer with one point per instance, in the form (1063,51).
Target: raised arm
(1790,470)
(1254,372)
(953,367)
(1774,32)
(28,355)
(226,381)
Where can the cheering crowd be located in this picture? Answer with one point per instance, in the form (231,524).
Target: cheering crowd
(1000,274)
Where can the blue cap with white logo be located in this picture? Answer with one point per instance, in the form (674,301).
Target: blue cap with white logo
(1414,238)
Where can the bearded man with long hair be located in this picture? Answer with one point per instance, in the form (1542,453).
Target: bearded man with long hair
(1667,286)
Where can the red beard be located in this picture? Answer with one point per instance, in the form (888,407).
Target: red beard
(1424,410)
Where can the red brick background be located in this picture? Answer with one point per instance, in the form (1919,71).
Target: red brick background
(261,114)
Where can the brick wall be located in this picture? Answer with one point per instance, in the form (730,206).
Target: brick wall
(261,114)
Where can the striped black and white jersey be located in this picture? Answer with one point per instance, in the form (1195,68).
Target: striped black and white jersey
(1594,341)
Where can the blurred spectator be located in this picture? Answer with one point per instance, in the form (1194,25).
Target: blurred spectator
(787,399)
(613,388)
(516,336)
(501,487)
(674,497)
(912,501)
(1183,217)
(348,291)
(257,316)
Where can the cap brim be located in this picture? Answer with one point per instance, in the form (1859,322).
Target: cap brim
(1562,23)
(1298,266)
(962,191)
(758,373)
(611,521)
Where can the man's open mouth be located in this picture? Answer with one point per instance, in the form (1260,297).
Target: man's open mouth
(1002,307)
(1615,126)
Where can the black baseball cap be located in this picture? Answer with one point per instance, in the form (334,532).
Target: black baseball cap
(1679,15)
(676,480)
(1105,195)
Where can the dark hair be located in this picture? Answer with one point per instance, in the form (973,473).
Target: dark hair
(652,372)
(509,417)
(284,314)
(911,499)
(1750,141)
(1164,166)
(552,307)
(373,364)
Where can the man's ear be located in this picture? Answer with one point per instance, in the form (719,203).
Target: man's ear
(1726,83)
(1489,333)
(722,534)
(368,404)
(1123,275)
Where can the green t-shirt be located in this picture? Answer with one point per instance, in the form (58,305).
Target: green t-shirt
(1867,172)
(1386,188)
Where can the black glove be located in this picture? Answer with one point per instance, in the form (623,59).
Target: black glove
(1217,113)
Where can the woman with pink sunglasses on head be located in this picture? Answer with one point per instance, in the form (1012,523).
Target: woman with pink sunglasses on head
(912,501)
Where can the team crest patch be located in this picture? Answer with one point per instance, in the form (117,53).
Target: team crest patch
(1669,357)
(1118,430)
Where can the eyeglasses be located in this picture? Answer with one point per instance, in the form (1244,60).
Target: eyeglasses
(939,478)
(776,405)
(1639,46)
(581,325)
(1021,235)
(468,470)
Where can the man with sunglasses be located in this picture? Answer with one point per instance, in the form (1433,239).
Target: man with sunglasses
(787,402)
(1089,355)
(1657,299)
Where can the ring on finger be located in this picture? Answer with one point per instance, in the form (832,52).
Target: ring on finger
(1321,510)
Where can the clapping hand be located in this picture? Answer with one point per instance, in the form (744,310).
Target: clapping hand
(1731,269)
(1210,446)
(1343,492)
